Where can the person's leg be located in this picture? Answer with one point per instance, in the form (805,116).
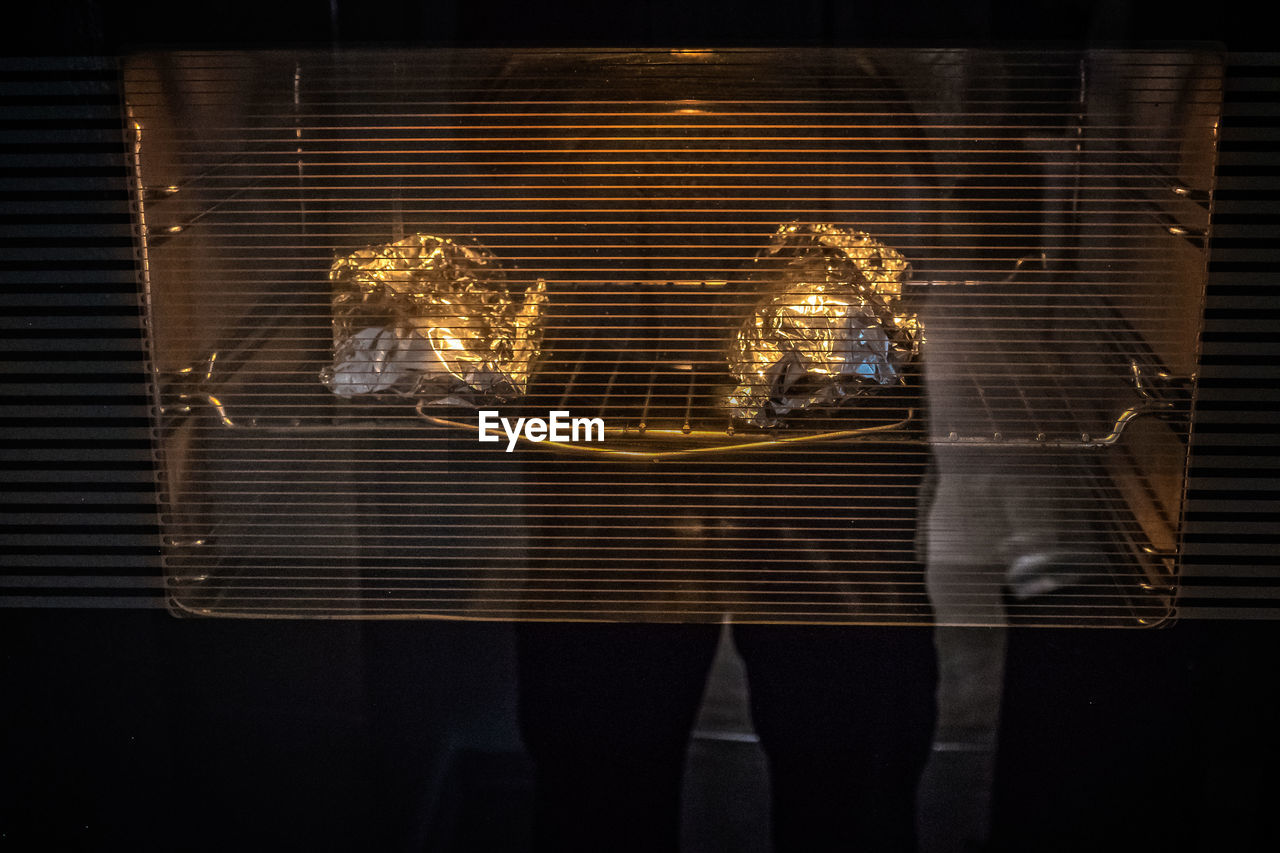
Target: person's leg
(845,716)
(606,710)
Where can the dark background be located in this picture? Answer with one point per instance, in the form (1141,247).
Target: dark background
(127,729)
(80,26)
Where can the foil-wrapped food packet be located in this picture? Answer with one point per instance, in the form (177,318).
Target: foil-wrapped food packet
(428,317)
(828,326)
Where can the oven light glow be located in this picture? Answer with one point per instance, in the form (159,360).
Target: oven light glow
(690,106)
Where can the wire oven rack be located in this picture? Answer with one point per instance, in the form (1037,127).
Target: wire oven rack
(650,362)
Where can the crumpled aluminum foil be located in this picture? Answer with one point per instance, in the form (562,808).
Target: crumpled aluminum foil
(827,327)
(427,317)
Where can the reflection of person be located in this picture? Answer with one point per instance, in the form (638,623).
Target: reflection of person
(1006,512)
(844,715)
(996,523)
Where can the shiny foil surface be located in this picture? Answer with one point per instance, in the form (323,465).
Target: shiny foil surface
(826,328)
(428,317)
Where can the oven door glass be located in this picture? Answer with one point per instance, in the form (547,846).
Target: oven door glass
(844,336)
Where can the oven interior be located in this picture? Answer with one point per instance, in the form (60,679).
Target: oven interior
(1054,208)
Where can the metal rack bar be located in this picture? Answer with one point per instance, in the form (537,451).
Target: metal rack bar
(746,444)
(653,375)
(688,403)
